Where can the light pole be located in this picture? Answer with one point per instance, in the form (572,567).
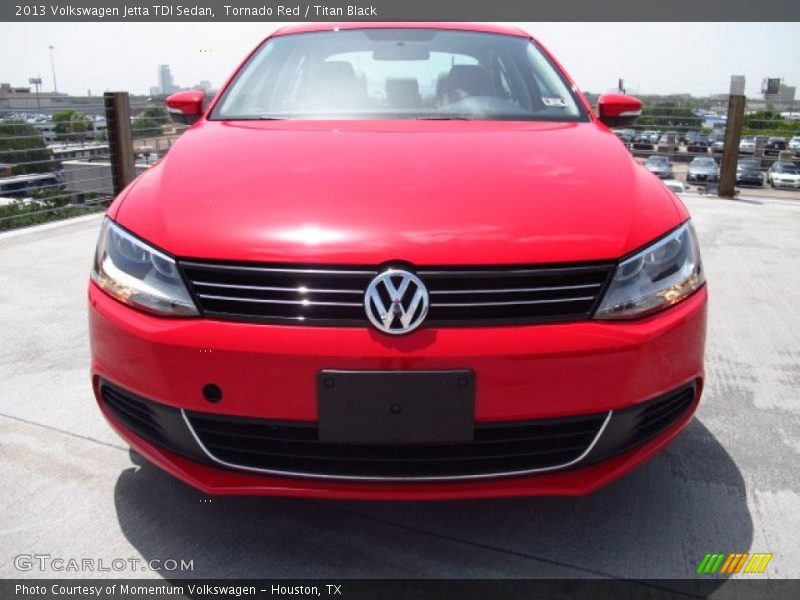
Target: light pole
(36,81)
(53,66)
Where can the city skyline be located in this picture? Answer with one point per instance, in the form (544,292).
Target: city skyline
(652,58)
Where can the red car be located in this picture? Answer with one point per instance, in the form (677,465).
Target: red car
(398,262)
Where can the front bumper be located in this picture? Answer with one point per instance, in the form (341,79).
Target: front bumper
(749,180)
(523,373)
(791,184)
(701,178)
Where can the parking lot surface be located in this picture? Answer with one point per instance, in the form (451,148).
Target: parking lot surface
(730,483)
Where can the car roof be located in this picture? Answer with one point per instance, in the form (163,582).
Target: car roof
(476,27)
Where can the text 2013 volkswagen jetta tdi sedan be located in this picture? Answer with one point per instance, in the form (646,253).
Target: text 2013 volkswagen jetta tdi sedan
(398,262)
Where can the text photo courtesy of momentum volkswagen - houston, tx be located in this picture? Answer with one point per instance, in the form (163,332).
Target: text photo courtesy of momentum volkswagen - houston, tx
(400,300)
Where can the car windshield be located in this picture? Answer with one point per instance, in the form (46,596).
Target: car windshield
(657,160)
(704,162)
(748,164)
(399,74)
(789,168)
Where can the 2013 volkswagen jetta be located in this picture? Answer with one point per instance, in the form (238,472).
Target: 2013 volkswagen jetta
(398,262)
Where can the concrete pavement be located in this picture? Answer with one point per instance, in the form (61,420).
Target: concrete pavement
(731,483)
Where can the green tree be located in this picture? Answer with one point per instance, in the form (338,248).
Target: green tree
(669,115)
(22,146)
(71,124)
(764,119)
(149,123)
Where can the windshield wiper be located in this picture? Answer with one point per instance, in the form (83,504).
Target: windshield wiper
(272,118)
(446,118)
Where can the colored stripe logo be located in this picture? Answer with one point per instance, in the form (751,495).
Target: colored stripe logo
(730,564)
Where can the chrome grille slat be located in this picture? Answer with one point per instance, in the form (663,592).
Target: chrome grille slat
(296,290)
(279,269)
(518,290)
(510,272)
(331,295)
(511,303)
(268,301)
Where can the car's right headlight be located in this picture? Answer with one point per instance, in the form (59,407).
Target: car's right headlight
(137,274)
(655,278)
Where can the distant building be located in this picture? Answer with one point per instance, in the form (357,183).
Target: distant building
(204,85)
(165,81)
(21,98)
(783,99)
(78,151)
(87,179)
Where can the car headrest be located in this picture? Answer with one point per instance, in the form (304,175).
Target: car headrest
(472,80)
(403,93)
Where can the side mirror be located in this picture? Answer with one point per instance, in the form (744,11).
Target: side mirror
(618,110)
(186,107)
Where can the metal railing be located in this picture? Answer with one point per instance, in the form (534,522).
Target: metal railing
(72,157)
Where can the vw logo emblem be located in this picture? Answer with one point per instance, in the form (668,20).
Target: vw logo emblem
(396,301)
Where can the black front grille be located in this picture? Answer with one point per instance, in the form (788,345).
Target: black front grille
(157,423)
(657,415)
(335,296)
(296,448)
(136,414)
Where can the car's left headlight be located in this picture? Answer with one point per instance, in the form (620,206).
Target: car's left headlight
(655,278)
(137,274)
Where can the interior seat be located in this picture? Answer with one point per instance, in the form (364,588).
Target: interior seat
(403,93)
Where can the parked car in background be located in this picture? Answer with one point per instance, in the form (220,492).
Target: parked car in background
(784,174)
(748,172)
(698,144)
(668,142)
(794,145)
(702,169)
(689,136)
(660,166)
(747,145)
(717,142)
(626,135)
(774,146)
(645,141)
(674,185)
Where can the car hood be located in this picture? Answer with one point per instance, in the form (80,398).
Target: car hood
(425,192)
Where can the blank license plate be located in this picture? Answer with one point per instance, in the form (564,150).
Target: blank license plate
(396,407)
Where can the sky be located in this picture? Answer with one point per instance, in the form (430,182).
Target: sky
(653,58)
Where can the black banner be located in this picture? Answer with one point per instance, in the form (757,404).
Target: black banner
(402,10)
(411,589)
